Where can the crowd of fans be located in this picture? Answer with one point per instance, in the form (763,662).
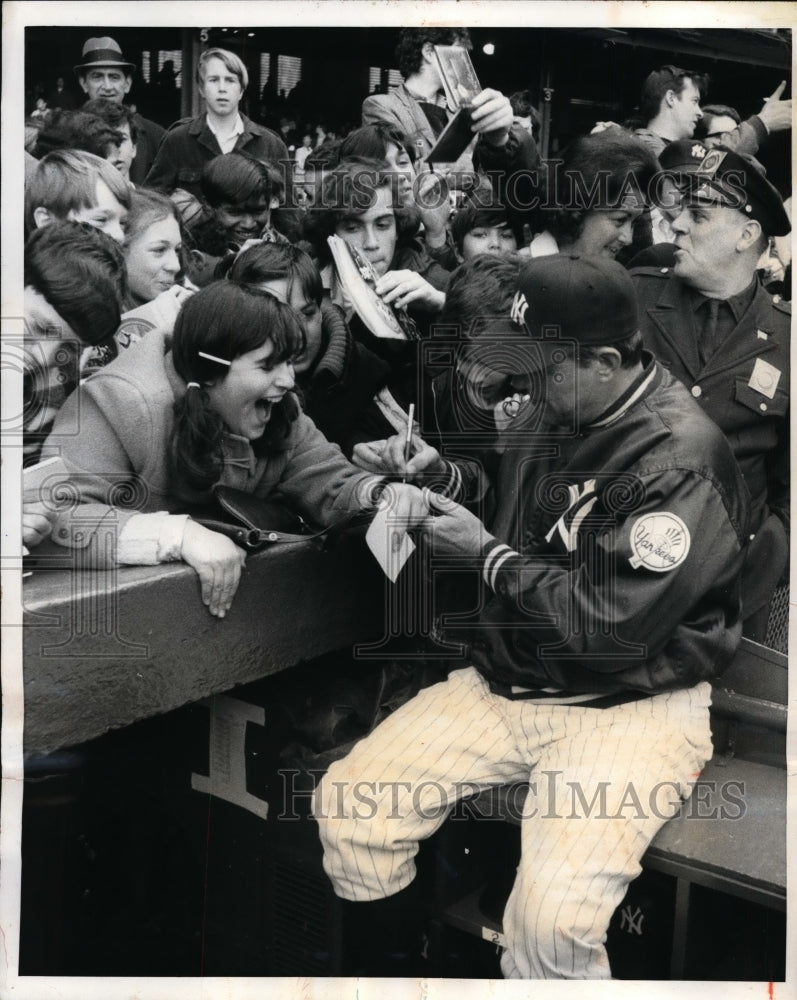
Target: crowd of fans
(182,300)
(215,183)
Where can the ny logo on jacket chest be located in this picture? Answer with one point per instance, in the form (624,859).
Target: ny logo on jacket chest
(581,500)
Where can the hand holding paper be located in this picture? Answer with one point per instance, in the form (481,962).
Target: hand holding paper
(401,508)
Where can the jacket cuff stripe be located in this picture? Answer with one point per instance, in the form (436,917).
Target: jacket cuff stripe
(499,562)
(494,557)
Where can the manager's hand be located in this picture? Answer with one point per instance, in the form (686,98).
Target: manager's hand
(386,457)
(453,529)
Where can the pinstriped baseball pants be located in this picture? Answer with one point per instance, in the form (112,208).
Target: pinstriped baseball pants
(602,783)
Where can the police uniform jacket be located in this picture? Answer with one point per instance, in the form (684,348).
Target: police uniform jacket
(618,548)
(751,411)
(189,145)
(744,388)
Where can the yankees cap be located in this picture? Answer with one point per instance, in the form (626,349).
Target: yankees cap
(585,299)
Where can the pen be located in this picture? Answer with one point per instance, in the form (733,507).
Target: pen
(408,439)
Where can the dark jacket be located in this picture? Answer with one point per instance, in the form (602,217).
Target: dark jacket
(518,176)
(615,567)
(755,423)
(189,145)
(338,393)
(149,136)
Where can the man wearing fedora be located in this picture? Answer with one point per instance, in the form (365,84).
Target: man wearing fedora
(104,72)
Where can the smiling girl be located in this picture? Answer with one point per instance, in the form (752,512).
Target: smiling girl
(172,417)
(152,248)
(338,377)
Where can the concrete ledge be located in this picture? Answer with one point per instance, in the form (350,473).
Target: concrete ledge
(105,649)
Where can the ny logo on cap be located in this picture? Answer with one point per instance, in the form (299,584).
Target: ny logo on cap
(519,307)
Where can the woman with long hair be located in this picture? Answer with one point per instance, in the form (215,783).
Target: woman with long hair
(154,262)
(174,416)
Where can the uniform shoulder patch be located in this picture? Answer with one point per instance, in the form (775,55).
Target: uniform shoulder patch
(659,541)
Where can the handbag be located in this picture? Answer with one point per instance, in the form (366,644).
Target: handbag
(255,523)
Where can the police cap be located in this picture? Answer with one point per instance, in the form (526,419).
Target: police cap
(684,156)
(727,178)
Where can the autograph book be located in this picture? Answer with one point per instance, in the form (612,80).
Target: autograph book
(359,283)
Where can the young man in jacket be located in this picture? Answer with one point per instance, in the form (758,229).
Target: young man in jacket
(191,142)
(670,107)
(417,109)
(610,598)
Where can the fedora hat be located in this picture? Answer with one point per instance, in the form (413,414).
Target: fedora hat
(103,51)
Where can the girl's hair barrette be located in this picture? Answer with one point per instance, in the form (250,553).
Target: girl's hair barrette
(212,357)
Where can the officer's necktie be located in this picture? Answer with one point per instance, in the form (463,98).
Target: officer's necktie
(708,338)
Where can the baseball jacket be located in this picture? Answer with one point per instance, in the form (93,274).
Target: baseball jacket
(118,463)
(189,144)
(615,566)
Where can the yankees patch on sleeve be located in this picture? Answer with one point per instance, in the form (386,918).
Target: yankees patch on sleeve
(659,542)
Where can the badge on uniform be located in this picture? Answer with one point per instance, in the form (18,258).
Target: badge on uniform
(765,378)
(659,542)
(712,163)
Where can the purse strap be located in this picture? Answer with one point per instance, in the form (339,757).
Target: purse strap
(254,539)
(250,536)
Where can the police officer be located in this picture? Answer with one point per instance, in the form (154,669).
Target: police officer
(712,323)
